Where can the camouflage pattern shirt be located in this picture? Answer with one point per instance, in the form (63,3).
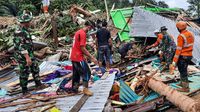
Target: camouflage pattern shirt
(23,44)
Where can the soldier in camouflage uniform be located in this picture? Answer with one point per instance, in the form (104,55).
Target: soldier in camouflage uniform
(168,47)
(23,46)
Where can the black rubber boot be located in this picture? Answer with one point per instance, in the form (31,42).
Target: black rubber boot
(38,83)
(25,91)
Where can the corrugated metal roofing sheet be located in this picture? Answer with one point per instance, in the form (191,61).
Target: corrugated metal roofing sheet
(144,23)
(95,103)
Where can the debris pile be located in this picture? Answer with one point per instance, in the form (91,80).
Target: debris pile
(136,81)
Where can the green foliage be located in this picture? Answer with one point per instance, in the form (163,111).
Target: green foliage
(162,4)
(29,7)
(8,8)
(12,7)
(65,26)
(194,8)
(6,39)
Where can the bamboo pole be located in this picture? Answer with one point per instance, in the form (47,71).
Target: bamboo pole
(106,5)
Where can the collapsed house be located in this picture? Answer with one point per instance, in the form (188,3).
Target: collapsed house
(137,84)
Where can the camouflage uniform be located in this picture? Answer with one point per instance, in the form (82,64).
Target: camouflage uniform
(23,44)
(168,47)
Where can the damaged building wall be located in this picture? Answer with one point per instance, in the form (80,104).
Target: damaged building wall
(145,22)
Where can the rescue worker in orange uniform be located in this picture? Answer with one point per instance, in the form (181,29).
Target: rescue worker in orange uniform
(183,55)
(167,47)
(158,41)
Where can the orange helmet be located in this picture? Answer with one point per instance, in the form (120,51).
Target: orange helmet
(181,25)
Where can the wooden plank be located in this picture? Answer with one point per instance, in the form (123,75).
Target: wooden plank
(11,99)
(79,104)
(146,104)
(34,106)
(30,78)
(17,103)
(44,99)
(47,108)
(5,78)
(138,73)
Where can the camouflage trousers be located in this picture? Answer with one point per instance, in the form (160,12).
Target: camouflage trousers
(168,57)
(26,70)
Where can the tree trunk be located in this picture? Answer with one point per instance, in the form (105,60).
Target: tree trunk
(106,6)
(185,103)
(198,10)
(54,27)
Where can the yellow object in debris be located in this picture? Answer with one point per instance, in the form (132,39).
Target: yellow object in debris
(133,83)
(117,102)
(54,109)
(128,83)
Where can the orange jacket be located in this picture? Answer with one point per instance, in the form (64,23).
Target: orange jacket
(159,39)
(185,43)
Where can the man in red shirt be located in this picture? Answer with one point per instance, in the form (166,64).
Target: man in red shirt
(80,66)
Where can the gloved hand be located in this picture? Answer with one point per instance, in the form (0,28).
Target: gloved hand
(160,54)
(163,63)
(171,68)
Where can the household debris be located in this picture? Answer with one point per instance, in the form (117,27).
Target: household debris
(136,83)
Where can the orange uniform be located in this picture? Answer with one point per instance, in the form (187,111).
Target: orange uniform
(185,43)
(158,41)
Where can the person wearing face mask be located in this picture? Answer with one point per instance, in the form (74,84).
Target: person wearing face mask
(183,55)
(167,46)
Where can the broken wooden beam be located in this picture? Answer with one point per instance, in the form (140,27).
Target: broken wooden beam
(30,78)
(184,102)
(75,9)
(17,103)
(144,107)
(10,100)
(35,106)
(79,104)
(45,99)
(47,108)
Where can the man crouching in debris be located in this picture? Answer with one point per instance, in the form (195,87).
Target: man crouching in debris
(124,48)
(23,46)
(166,44)
(80,66)
(183,55)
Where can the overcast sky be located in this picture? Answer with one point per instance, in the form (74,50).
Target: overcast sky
(176,3)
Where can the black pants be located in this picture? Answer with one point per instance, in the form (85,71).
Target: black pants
(80,69)
(182,64)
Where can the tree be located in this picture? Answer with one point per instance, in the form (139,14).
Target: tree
(163,4)
(194,8)
(8,8)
